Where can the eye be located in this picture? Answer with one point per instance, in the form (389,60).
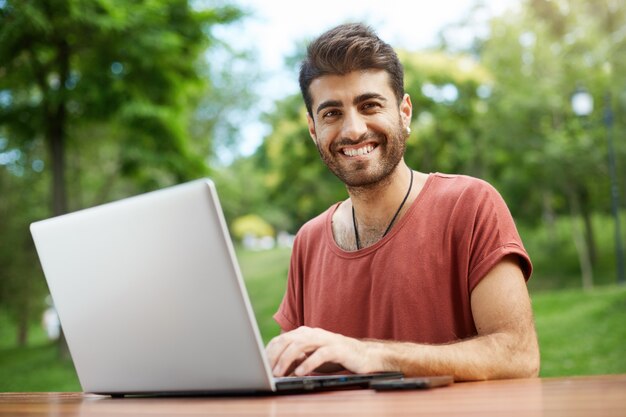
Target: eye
(330,114)
(370,105)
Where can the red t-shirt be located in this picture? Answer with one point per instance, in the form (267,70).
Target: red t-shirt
(415,283)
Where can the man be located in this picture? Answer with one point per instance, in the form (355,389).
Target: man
(423,274)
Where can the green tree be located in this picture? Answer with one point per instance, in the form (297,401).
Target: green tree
(551,162)
(72,65)
(104,95)
(21,287)
(445,91)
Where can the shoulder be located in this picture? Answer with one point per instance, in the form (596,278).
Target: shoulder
(465,200)
(479,214)
(462,187)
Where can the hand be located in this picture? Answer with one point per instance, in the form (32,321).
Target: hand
(307,349)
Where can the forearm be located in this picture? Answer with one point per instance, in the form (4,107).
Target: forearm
(493,356)
(505,347)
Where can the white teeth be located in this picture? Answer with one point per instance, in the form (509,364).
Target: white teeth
(360,151)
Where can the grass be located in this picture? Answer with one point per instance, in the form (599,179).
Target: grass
(266,276)
(580,332)
(36,367)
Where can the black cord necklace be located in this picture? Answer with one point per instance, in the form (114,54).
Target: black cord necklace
(356,230)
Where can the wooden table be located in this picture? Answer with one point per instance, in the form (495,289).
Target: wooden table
(602,396)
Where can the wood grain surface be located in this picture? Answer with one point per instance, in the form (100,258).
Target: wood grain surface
(602,396)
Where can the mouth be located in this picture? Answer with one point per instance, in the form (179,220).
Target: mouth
(360,150)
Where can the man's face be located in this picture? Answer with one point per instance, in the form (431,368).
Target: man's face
(357,125)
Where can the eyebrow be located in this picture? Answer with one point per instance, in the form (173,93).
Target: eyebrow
(368,96)
(358,99)
(328,103)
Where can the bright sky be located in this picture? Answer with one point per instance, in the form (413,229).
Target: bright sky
(276,26)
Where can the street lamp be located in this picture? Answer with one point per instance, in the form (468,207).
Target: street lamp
(582,104)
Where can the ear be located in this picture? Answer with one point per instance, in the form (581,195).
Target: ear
(406,110)
(311,123)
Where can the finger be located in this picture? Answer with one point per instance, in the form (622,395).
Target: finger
(302,342)
(275,348)
(294,365)
(294,353)
(315,360)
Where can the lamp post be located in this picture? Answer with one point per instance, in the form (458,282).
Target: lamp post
(582,104)
(619,251)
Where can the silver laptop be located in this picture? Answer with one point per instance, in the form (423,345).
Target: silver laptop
(151,298)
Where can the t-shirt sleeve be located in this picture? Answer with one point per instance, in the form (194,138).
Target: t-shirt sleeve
(493,235)
(289,314)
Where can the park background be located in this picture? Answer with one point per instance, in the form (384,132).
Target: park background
(105,99)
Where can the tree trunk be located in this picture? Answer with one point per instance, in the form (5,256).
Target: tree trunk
(22,327)
(56,141)
(588,224)
(549,219)
(56,122)
(56,133)
(580,242)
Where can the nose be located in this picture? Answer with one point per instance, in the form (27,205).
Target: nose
(353,126)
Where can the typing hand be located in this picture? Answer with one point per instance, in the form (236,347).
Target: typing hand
(307,350)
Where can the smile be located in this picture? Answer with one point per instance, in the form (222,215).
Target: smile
(363,150)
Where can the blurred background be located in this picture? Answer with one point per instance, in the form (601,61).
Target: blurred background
(104,99)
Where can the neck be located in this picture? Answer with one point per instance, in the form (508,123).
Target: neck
(376,203)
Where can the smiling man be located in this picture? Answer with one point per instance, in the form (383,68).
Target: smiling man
(414,272)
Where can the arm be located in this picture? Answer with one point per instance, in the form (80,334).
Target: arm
(505,346)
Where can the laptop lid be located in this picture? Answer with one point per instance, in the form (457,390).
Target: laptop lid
(150,295)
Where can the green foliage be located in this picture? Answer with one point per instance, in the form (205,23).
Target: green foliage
(547,161)
(99,98)
(446,109)
(549,158)
(241,191)
(21,287)
(128,74)
(554,257)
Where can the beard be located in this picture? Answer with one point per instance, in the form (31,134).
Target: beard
(367,174)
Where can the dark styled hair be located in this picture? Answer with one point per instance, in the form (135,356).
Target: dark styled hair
(346,48)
